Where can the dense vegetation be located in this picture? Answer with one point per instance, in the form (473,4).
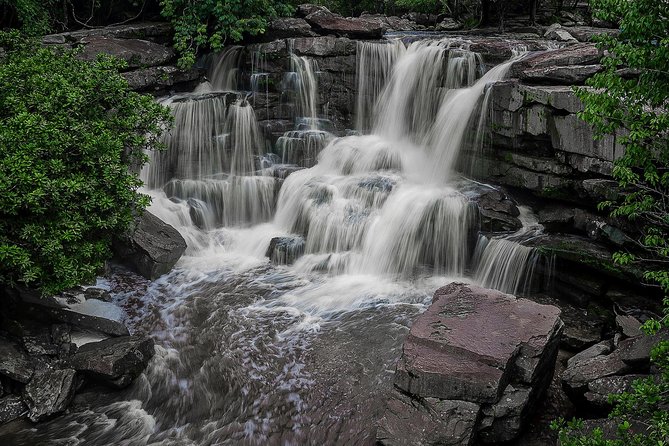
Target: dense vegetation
(69,131)
(214,23)
(631,98)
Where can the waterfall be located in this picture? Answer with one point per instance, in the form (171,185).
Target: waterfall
(224,72)
(504,263)
(374,63)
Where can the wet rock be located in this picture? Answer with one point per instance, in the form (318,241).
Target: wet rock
(14,362)
(599,349)
(11,408)
(285,250)
(599,390)
(92,315)
(286,27)
(448,24)
(39,344)
(158,78)
(324,21)
(557,218)
(492,221)
(427,421)
(136,53)
(97,293)
(577,376)
(586,33)
(116,361)
(49,392)
(153,248)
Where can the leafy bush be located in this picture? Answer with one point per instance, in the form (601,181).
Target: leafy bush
(424,6)
(631,97)
(69,130)
(32,15)
(210,24)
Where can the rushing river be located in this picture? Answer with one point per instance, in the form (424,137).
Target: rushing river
(251,352)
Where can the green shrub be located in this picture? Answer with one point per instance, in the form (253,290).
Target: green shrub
(69,130)
(210,24)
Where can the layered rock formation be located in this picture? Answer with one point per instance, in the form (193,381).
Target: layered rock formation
(473,366)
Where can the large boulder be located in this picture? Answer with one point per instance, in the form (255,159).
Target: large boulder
(555,64)
(135,52)
(327,22)
(116,361)
(286,27)
(160,31)
(503,369)
(579,374)
(159,78)
(49,392)
(153,247)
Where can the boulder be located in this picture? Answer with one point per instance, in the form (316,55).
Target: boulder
(285,250)
(579,374)
(448,24)
(326,46)
(14,362)
(629,325)
(49,392)
(287,27)
(11,408)
(140,30)
(636,351)
(116,361)
(426,421)
(135,52)
(324,21)
(153,247)
(586,33)
(567,75)
(599,349)
(157,78)
(503,369)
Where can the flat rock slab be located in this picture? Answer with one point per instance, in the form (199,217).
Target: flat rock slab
(116,361)
(409,421)
(579,374)
(135,52)
(464,347)
(49,392)
(600,389)
(14,362)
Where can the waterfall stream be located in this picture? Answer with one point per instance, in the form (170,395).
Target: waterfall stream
(251,352)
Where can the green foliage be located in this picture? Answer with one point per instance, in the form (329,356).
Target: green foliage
(33,15)
(630,99)
(424,6)
(69,131)
(210,24)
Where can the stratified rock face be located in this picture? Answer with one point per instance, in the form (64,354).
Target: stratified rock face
(481,347)
(49,392)
(116,361)
(153,248)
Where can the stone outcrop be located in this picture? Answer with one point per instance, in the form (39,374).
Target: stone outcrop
(356,27)
(14,362)
(145,47)
(498,373)
(152,248)
(115,362)
(285,250)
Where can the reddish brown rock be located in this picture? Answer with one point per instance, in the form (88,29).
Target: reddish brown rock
(325,21)
(466,345)
(135,52)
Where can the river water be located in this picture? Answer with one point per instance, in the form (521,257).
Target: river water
(251,352)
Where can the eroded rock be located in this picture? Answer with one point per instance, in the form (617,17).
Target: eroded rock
(135,52)
(11,408)
(116,361)
(153,248)
(14,363)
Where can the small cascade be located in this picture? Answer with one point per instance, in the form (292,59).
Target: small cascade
(195,148)
(504,262)
(302,80)
(242,139)
(224,72)
(302,147)
(374,64)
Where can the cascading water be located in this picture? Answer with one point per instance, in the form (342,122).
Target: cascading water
(254,353)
